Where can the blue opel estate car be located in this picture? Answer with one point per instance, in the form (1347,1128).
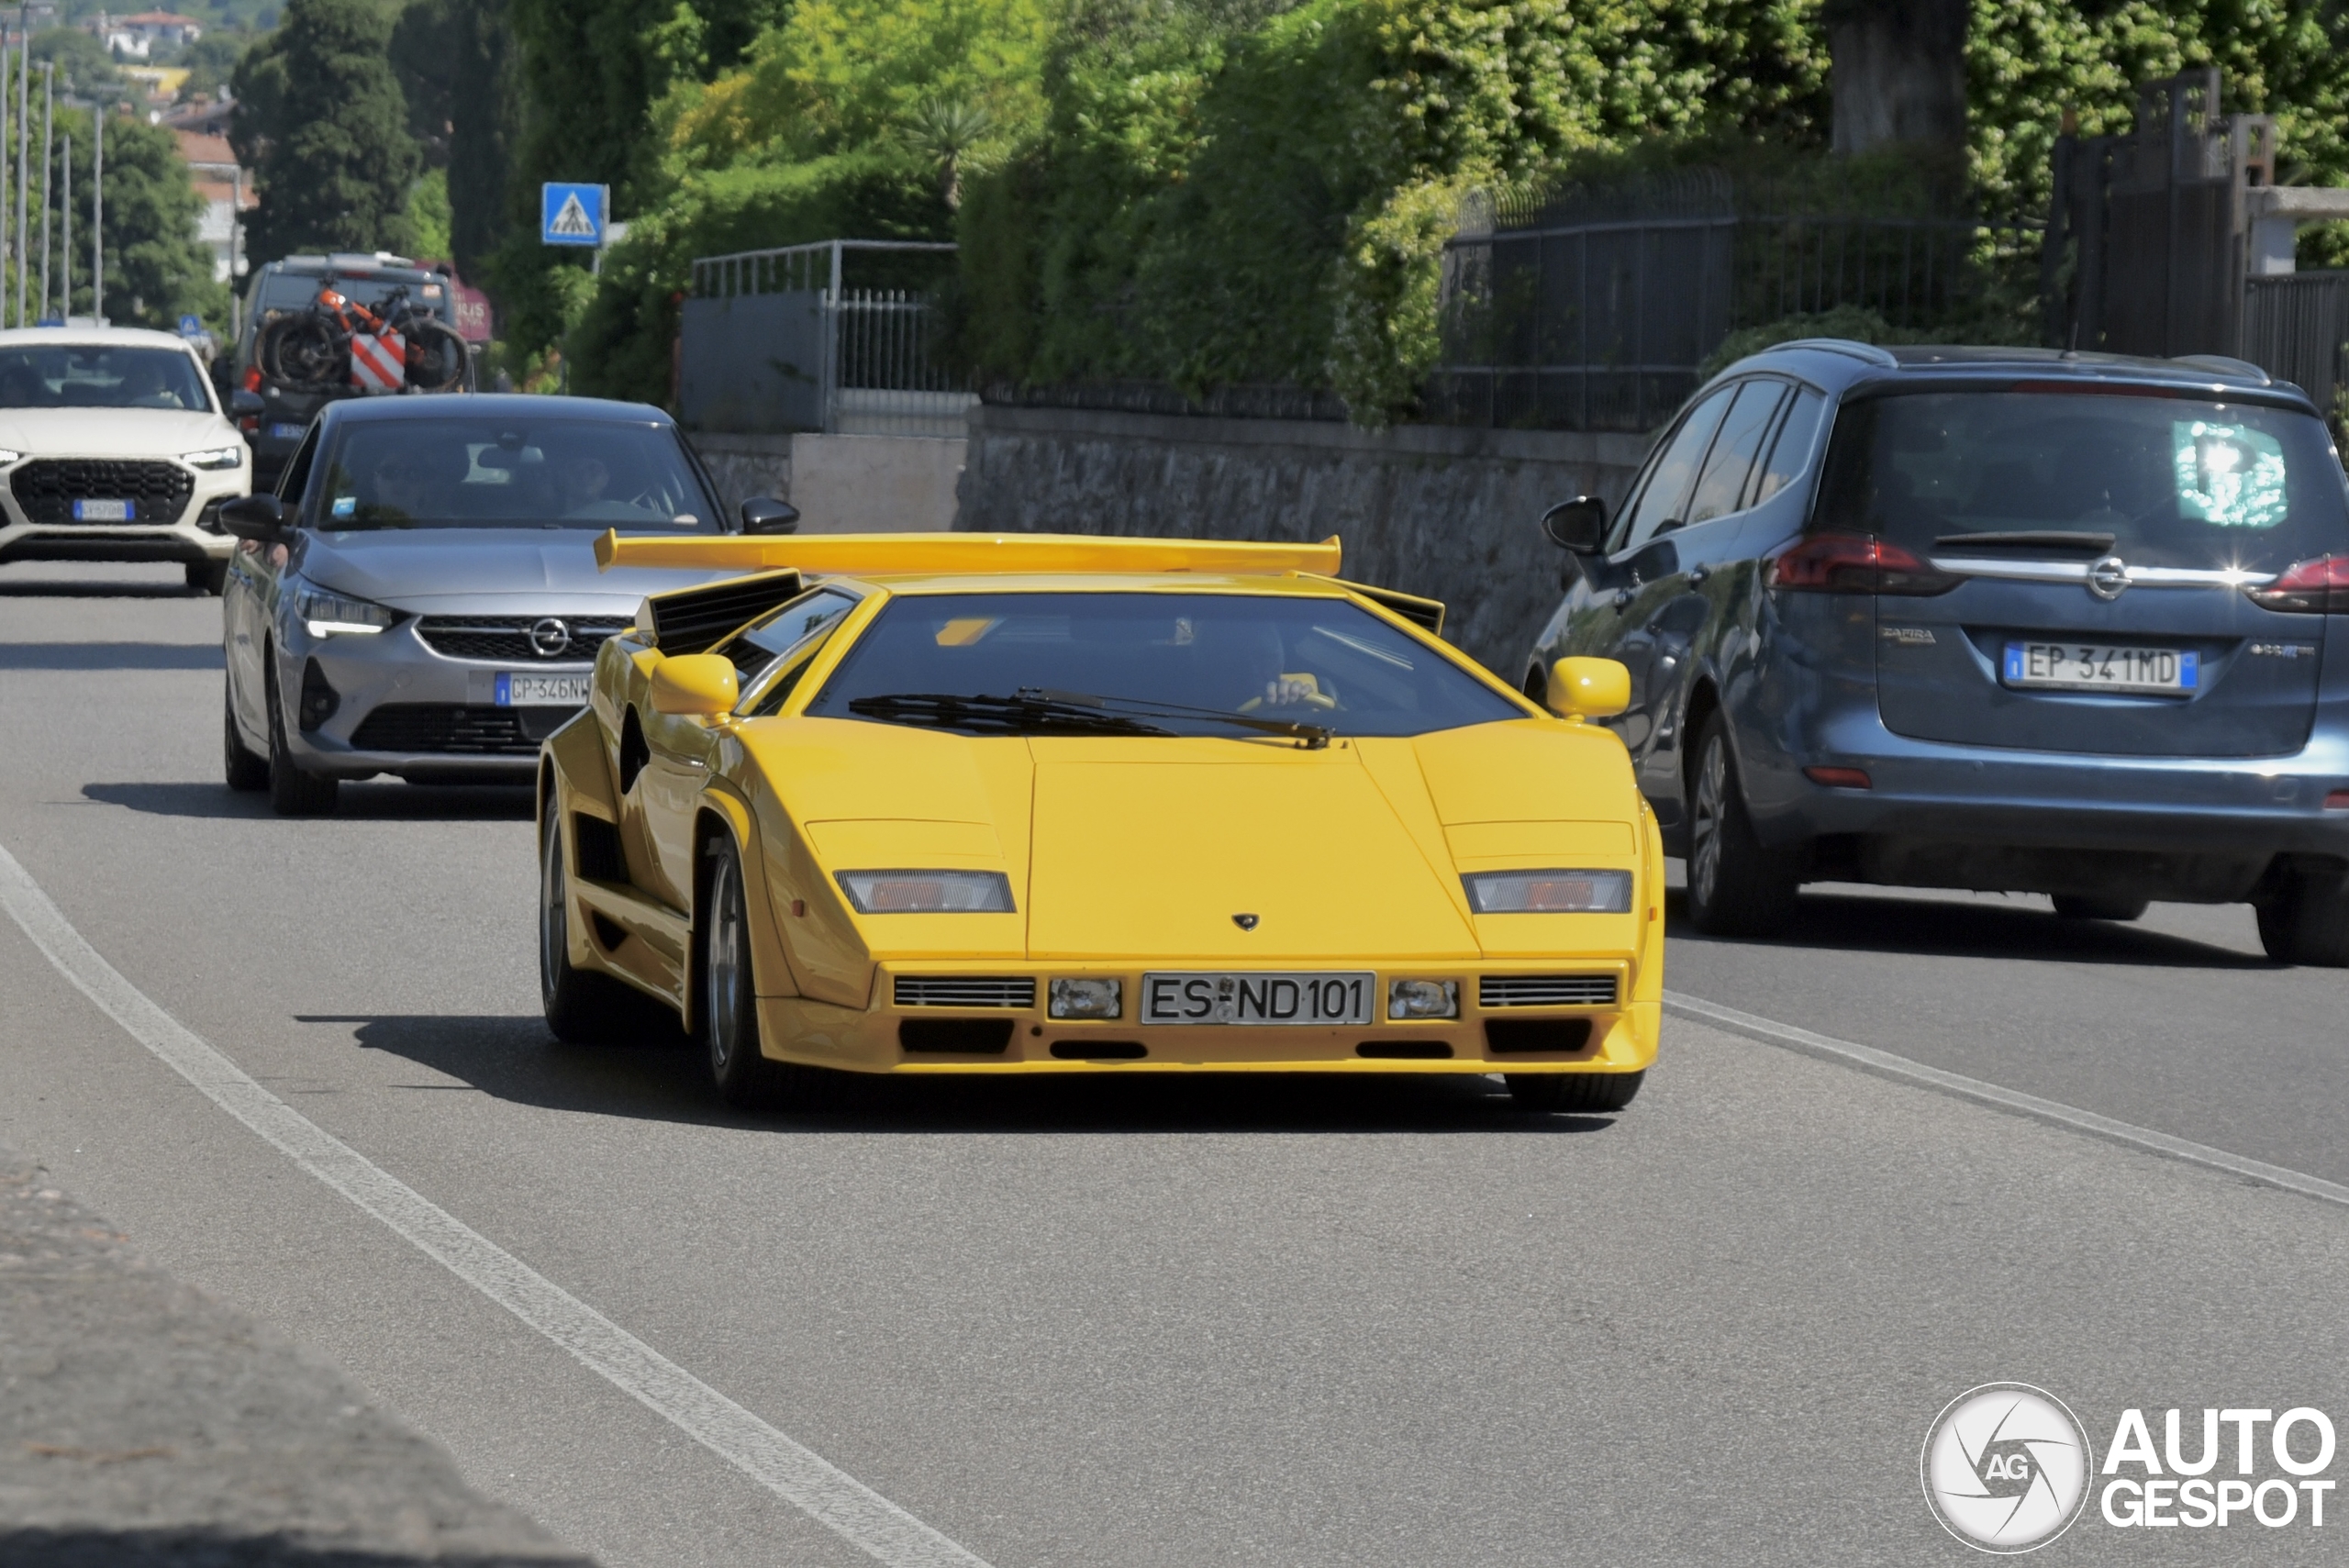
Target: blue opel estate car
(1994,618)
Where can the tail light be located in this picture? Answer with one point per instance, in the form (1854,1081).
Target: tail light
(252,378)
(2313,588)
(1855,563)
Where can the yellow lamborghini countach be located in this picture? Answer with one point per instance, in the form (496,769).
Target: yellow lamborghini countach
(960,803)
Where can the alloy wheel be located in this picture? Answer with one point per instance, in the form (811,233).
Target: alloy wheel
(722,971)
(554,926)
(1705,821)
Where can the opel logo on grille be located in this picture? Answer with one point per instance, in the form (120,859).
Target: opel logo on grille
(2108,578)
(550,636)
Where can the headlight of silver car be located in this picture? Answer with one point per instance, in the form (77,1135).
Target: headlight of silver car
(218,456)
(334,614)
(1550,892)
(927,892)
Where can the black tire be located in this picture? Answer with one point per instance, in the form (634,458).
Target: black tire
(246,770)
(207,576)
(1585,1091)
(436,354)
(1737,886)
(583,1008)
(729,1005)
(2083,907)
(305,351)
(2305,919)
(291,791)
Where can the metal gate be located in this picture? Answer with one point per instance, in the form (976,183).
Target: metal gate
(2294,327)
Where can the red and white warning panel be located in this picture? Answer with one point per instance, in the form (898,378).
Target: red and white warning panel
(378,361)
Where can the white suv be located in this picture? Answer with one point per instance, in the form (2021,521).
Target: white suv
(113,447)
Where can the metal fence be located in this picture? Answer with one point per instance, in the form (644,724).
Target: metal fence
(1595,311)
(774,341)
(2296,326)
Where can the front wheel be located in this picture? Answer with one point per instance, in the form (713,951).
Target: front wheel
(1586,1092)
(581,1006)
(1737,886)
(246,770)
(2305,920)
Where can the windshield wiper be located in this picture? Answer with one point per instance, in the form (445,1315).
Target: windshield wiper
(1312,736)
(2033,538)
(1035,711)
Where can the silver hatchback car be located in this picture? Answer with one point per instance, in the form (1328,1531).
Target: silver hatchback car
(420,596)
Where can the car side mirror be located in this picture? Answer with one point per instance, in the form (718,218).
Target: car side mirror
(765,515)
(261,518)
(1579,524)
(700,684)
(1588,688)
(245,403)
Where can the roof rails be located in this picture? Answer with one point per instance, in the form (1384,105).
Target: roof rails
(2225,365)
(881,554)
(1847,347)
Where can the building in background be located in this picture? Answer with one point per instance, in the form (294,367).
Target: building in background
(135,37)
(227,191)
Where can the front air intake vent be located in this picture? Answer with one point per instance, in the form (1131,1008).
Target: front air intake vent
(694,620)
(1545,991)
(965,991)
(956,1037)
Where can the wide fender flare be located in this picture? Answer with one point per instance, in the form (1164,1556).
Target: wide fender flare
(574,774)
(770,969)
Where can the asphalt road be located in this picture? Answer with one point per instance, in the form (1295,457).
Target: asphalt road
(1133,1324)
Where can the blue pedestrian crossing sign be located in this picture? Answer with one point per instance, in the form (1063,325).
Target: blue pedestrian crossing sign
(191,327)
(573,214)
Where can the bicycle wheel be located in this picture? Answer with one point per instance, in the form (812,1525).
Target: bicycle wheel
(303,350)
(436,355)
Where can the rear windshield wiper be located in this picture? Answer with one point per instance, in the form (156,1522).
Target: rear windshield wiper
(2030,539)
(1034,711)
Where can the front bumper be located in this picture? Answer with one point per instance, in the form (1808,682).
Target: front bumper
(194,537)
(1616,1036)
(398,706)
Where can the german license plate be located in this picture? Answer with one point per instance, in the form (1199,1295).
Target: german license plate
(103,512)
(1259,999)
(2100,667)
(541,691)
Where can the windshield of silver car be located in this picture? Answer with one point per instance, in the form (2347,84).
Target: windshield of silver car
(474,474)
(99,376)
(2159,480)
(1149,664)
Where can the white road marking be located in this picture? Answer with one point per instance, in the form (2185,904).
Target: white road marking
(1869,1059)
(798,1475)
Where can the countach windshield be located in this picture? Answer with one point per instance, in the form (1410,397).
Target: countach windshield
(489,473)
(2158,481)
(1228,664)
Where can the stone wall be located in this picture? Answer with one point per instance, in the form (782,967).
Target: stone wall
(1452,514)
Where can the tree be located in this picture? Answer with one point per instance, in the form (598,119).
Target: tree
(455,66)
(322,122)
(79,58)
(211,62)
(156,269)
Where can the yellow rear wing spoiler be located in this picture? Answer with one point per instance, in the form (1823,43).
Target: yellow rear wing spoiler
(946,553)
